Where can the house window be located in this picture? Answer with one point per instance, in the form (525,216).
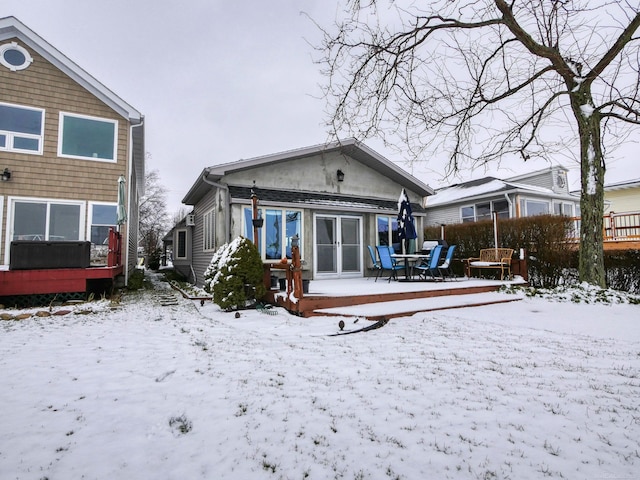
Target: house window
(89,138)
(388,231)
(530,208)
(21,129)
(181,250)
(280,225)
(468,214)
(103,218)
(484,211)
(209,234)
(46,220)
(562,208)
(14,57)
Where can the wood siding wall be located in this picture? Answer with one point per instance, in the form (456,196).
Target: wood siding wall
(44,86)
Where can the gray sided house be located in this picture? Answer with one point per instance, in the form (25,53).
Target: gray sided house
(337,198)
(541,192)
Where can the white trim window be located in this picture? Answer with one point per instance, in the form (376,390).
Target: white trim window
(563,208)
(209,231)
(181,244)
(530,207)
(102,217)
(279,227)
(483,211)
(45,220)
(14,56)
(387,231)
(21,129)
(88,138)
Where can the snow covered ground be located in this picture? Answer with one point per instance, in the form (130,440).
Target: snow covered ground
(531,389)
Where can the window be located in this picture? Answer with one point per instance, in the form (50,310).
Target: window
(14,57)
(388,231)
(562,208)
(468,214)
(21,128)
(209,235)
(87,137)
(484,211)
(274,242)
(181,247)
(103,217)
(529,208)
(46,220)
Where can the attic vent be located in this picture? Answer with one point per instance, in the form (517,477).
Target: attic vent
(190,221)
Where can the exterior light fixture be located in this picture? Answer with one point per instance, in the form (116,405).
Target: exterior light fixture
(6,175)
(340,175)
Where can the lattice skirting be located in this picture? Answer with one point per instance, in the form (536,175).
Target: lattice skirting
(40,300)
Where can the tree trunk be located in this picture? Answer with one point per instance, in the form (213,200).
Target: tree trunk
(591,255)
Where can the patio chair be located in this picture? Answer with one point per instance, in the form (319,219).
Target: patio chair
(445,267)
(376,264)
(387,263)
(430,267)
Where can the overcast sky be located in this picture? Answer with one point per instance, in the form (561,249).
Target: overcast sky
(220,80)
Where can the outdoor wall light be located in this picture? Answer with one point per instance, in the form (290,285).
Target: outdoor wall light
(6,175)
(340,174)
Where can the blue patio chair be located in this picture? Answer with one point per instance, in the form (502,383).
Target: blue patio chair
(430,267)
(387,263)
(445,267)
(376,264)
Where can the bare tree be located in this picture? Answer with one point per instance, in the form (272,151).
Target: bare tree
(488,79)
(153,215)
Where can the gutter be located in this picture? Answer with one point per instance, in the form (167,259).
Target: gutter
(130,204)
(227,223)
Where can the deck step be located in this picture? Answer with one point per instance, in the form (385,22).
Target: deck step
(404,308)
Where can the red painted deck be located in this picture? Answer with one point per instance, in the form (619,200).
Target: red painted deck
(326,294)
(61,280)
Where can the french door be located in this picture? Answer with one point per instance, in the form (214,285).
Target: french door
(337,246)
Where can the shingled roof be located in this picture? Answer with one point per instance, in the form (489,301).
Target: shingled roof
(282,197)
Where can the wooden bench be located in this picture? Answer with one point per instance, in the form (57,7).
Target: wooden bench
(495,258)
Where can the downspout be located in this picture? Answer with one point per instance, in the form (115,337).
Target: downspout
(129,203)
(508,199)
(227,223)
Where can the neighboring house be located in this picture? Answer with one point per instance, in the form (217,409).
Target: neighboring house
(65,140)
(337,198)
(541,192)
(622,197)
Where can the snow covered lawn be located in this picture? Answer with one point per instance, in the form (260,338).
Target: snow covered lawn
(530,389)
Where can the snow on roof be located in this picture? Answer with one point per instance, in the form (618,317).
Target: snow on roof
(479,188)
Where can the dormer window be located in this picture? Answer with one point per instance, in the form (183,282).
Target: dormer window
(14,57)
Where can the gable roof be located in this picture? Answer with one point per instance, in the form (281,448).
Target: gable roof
(487,187)
(11,27)
(350,147)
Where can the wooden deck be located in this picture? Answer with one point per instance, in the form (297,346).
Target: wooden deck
(326,296)
(60,280)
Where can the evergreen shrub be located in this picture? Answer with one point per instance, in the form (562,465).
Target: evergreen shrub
(235,275)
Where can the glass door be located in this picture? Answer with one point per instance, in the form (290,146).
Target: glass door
(338,246)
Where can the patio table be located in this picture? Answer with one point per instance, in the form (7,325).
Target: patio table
(408,259)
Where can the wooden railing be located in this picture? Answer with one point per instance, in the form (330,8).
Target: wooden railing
(615,226)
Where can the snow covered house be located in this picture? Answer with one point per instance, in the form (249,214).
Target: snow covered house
(337,198)
(541,192)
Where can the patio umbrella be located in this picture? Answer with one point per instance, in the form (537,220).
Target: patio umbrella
(406,224)
(122,213)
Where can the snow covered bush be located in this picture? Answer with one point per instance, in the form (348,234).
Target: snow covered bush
(235,275)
